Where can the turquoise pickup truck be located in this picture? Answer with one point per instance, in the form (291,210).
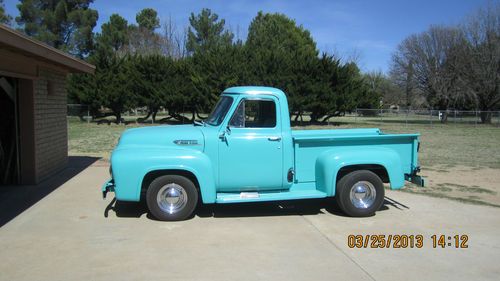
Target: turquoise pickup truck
(245,151)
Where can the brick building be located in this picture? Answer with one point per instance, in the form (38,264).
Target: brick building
(33,125)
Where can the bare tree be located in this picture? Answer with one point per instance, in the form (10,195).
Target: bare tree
(423,62)
(382,86)
(479,59)
(174,42)
(402,75)
(144,42)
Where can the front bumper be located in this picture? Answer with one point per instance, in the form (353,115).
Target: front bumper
(108,186)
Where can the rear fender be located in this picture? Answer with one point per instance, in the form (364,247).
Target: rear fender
(329,163)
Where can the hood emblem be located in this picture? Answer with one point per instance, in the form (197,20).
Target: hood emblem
(186,142)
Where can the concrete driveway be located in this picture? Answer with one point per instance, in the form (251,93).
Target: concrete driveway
(72,234)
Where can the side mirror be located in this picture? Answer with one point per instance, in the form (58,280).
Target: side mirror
(222,136)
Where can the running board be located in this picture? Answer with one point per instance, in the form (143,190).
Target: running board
(227,197)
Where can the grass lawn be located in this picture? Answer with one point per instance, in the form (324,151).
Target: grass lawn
(446,145)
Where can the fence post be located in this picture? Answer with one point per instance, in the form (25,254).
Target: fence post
(430,116)
(88,114)
(475,120)
(356,115)
(406,118)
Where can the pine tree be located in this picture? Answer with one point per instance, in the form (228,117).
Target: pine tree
(4,17)
(63,24)
(207,32)
(282,54)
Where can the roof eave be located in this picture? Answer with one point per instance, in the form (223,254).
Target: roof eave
(17,40)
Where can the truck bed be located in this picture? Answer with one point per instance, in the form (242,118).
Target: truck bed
(309,144)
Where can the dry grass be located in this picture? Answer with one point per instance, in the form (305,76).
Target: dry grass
(445,145)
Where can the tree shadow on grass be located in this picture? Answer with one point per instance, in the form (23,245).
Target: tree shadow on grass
(402,121)
(15,199)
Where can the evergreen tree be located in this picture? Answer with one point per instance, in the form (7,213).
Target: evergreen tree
(148,19)
(323,100)
(143,40)
(283,55)
(63,24)
(153,81)
(114,84)
(4,17)
(114,34)
(82,89)
(207,32)
(213,59)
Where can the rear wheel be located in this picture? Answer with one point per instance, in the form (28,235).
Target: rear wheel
(171,197)
(360,193)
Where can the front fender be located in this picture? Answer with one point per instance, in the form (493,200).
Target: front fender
(329,163)
(130,166)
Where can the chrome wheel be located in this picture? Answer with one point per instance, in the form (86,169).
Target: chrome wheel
(171,198)
(362,194)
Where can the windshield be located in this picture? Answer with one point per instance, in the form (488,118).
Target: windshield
(220,111)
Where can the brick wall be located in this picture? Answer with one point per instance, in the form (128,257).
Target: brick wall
(51,135)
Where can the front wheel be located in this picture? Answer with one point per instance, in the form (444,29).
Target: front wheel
(171,197)
(360,193)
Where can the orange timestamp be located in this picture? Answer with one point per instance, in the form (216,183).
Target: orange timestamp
(397,241)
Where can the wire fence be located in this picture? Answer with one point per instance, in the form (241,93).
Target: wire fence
(81,111)
(360,115)
(424,116)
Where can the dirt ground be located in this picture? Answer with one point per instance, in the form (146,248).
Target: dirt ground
(476,185)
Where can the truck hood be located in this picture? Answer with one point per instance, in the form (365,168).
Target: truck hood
(178,136)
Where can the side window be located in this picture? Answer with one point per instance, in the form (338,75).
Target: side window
(238,119)
(254,114)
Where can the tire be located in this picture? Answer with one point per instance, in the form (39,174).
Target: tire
(171,198)
(369,196)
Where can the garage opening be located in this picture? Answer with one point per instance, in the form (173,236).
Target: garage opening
(9,132)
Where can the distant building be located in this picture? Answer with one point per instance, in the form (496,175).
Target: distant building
(33,125)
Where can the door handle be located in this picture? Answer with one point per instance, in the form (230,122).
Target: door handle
(273,138)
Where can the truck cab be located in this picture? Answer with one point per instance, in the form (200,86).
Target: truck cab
(253,141)
(245,151)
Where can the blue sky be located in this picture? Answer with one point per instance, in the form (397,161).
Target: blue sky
(370,29)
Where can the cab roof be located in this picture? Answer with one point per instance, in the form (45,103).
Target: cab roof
(255,90)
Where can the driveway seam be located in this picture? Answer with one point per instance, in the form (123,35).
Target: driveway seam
(338,248)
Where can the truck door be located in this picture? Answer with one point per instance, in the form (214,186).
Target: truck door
(250,147)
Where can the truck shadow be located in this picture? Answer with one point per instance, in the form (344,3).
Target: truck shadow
(265,209)
(258,209)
